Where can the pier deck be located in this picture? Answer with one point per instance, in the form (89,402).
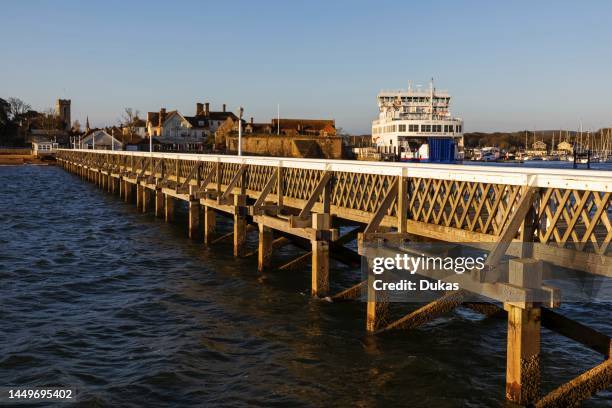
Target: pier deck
(563,215)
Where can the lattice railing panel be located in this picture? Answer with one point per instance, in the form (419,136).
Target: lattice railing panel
(575,219)
(228,171)
(258,176)
(478,207)
(363,192)
(299,183)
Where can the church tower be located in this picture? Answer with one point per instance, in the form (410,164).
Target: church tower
(62,108)
(87,128)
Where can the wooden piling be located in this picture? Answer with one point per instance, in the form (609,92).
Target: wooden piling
(159,203)
(210,218)
(523,348)
(127,196)
(169,208)
(139,195)
(194,213)
(240,224)
(320,256)
(146,199)
(264,250)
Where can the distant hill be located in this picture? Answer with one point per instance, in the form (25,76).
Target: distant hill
(516,140)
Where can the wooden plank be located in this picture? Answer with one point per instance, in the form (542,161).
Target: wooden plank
(314,196)
(427,313)
(382,208)
(512,227)
(264,193)
(351,293)
(580,388)
(232,184)
(576,331)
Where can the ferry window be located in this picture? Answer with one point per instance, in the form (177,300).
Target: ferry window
(425,128)
(402,128)
(437,128)
(413,128)
(459,128)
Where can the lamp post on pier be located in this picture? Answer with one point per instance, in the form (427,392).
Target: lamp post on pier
(240,131)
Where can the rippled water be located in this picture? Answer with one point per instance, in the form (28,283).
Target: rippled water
(127,309)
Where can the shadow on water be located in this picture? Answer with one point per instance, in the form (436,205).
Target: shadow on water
(128,310)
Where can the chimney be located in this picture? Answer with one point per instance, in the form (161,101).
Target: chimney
(223,107)
(251,120)
(206,108)
(162,116)
(199,108)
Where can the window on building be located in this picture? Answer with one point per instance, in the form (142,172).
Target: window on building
(402,128)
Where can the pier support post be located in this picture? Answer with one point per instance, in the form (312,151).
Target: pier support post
(139,195)
(523,348)
(264,250)
(240,224)
(127,193)
(210,224)
(111,184)
(169,208)
(159,203)
(377,309)
(320,256)
(146,199)
(121,187)
(194,213)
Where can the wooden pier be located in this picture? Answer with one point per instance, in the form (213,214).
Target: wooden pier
(561,218)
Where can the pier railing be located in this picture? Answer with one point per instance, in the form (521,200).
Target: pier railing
(447,202)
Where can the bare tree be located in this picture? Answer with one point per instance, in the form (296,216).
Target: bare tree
(17,107)
(49,122)
(129,120)
(76,126)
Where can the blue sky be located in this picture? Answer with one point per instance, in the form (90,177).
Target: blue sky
(508,65)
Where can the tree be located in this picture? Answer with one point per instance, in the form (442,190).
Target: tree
(129,120)
(17,107)
(49,122)
(76,126)
(5,109)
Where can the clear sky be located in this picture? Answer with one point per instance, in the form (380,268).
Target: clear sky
(508,65)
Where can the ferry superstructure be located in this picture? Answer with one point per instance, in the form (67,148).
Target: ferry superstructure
(416,125)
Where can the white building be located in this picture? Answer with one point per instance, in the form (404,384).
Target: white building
(416,124)
(99,139)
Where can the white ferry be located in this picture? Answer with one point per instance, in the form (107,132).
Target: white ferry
(416,125)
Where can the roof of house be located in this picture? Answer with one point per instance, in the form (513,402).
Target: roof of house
(196,120)
(314,124)
(221,115)
(259,127)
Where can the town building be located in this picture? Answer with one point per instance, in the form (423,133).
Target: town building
(565,147)
(100,139)
(62,110)
(304,127)
(176,131)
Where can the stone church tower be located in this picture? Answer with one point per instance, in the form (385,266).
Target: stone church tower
(62,108)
